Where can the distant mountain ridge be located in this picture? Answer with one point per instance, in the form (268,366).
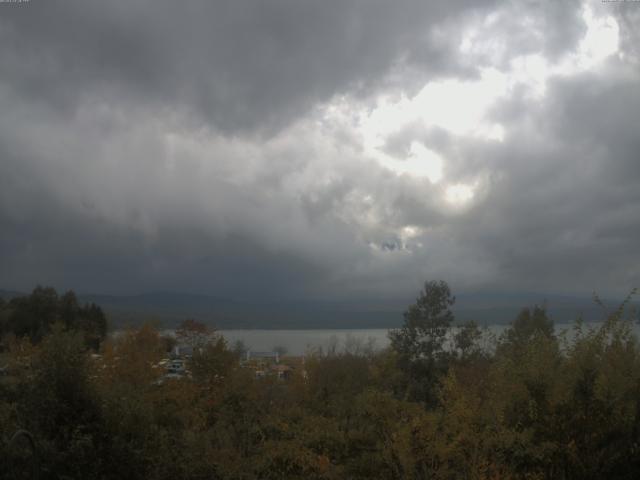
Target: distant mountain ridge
(169,308)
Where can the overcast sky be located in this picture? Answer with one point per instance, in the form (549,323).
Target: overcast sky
(319,149)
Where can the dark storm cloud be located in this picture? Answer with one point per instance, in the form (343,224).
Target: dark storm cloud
(241,65)
(107,209)
(188,146)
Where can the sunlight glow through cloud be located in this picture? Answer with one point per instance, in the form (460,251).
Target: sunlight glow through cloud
(601,40)
(461,107)
(421,162)
(459,195)
(455,106)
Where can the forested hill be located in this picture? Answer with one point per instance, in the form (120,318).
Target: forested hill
(169,308)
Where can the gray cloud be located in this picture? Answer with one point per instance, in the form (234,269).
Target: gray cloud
(560,212)
(240,65)
(168,146)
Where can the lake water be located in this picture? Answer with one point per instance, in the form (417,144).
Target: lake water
(300,342)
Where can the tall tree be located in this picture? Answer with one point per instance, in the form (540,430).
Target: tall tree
(420,343)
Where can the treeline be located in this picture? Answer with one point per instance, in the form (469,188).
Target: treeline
(34,315)
(442,402)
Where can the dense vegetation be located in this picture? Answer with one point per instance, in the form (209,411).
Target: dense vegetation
(441,402)
(33,316)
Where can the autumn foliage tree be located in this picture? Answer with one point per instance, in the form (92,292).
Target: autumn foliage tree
(193,333)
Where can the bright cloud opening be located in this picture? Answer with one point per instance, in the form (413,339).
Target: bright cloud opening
(459,195)
(459,107)
(601,39)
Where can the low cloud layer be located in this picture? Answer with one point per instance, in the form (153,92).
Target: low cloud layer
(319,150)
